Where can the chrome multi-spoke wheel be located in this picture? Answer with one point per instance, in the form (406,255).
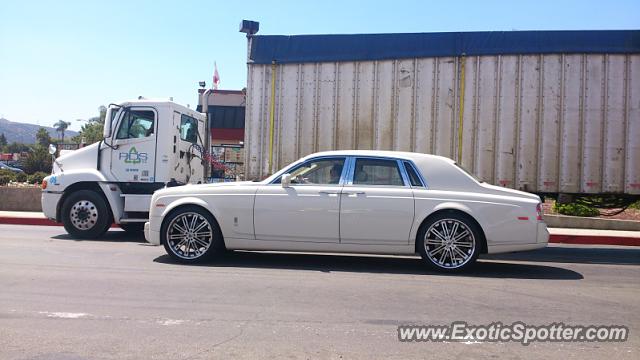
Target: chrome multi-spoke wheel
(83,215)
(449,242)
(190,234)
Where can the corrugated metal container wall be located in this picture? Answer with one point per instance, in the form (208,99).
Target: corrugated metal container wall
(555,123)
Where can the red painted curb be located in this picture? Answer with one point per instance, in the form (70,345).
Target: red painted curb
(27,221)
(594,240)
(556,239)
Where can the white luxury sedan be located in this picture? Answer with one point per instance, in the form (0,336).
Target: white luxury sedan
(377,202)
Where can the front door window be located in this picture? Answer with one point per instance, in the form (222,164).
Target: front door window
(136,124)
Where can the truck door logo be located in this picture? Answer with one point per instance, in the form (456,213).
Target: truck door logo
(133,156)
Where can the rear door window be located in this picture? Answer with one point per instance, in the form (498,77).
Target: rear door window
(188,129)
(377,172)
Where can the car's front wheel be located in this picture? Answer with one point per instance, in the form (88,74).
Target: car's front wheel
(449,242)
(190,235)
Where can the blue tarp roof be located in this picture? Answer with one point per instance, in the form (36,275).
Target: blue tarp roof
(320,48)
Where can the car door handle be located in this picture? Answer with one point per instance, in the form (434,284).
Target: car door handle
(354,193)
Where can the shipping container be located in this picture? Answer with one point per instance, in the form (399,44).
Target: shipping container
(542,111)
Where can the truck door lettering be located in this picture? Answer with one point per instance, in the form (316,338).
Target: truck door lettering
(133,156)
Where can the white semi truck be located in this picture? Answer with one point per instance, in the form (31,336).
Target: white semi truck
(147,145)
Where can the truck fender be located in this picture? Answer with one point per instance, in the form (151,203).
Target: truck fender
(61,181)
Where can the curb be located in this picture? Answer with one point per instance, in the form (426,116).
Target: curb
(7,220)
(594,240)
(553,239)
(27,221)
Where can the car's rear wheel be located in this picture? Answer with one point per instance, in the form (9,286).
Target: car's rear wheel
(190,235)
(85,214)
(449,242)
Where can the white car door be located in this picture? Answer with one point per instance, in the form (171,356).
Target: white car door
(308,210)
(377,204)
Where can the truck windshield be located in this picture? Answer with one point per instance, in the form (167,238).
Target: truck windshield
(113,113)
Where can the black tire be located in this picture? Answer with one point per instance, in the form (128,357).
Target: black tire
(85,214)
(443,252)
(189,247)
(135,228)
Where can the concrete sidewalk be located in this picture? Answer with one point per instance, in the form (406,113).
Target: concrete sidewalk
(558,235)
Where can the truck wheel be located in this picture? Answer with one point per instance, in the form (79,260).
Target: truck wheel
(133,228)
(85,215)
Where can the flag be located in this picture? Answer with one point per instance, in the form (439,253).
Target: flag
(216,77)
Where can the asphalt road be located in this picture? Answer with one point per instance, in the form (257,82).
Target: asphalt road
(119,298)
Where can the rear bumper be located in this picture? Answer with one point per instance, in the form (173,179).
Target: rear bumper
(541,241)
(543,234)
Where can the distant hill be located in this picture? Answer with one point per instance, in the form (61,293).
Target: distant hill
(26,133)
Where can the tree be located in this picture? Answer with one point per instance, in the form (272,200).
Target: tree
(3,140)
(93,129)
(38,159)
(61,126)
(42,137)
(16,147)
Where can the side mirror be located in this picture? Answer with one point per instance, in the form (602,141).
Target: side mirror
(285,180)
(52,149)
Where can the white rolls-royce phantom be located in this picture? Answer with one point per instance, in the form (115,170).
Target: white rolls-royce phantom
(377,202)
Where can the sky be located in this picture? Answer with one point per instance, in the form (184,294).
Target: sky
(63,59)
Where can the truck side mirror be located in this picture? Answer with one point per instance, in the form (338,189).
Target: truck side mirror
(106,131)
(52,149)
(285,180)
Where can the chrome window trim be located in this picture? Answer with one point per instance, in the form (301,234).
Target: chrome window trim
(403,173)
(415,169)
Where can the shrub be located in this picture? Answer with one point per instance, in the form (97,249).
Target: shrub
(36,178)
(21,177)
(574,209)
(4,179)
(8,175)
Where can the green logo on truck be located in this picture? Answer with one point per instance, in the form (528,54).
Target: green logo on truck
(133,156)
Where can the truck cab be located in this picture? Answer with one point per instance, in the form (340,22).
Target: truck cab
(147,145)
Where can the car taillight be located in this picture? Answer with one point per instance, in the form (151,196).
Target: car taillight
(44,184)
(539,212)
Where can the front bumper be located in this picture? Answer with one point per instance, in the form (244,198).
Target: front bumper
(49,202)
(152,237)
